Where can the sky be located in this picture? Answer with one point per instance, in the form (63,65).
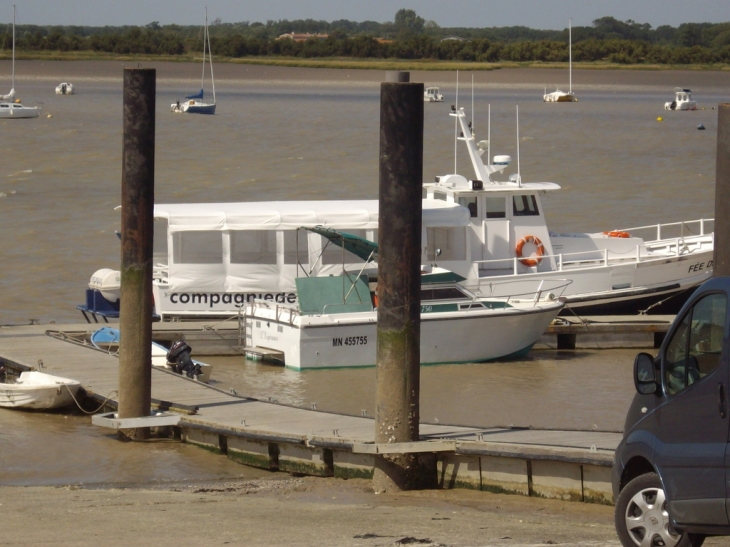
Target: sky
(537,14)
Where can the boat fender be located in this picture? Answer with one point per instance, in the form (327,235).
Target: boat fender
(617,233)
(539,252)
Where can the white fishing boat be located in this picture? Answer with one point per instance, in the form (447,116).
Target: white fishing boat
(195,104)
(107,339)
(334,322)
(38,391)
(432,95)
(10,107)
(65,88)
(682,100)
(559,96)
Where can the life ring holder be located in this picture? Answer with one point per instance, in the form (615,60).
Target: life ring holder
(530,261)
(617,233)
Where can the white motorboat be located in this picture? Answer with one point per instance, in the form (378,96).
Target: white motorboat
(432,95)
(107,339)
(195,104)
(65,88)
(38,391)
(559,96)
(334,322)
(10,107)
(682,100)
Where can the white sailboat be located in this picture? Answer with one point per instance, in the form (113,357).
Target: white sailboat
(194,104)
(10,107)
(559,96)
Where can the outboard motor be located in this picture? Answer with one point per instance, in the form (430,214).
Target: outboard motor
(179,359)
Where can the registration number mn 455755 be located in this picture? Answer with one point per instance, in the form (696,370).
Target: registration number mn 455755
(350,341)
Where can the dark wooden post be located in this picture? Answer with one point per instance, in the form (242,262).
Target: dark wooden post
(138,198)
(721,262)
(399,284)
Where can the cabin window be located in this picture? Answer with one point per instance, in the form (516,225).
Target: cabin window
(446,293)
(159,242)
(471,204)
(253,246)
(439,195)
(296,247)
(197,247)
(496,208)
(524,206)
(332,254)
(450,241)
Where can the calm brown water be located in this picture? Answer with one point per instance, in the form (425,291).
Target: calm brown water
(313,134)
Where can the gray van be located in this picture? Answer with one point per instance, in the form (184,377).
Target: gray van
(671,475)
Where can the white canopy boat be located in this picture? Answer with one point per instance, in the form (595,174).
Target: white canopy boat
(38,391)
(10,107)
(334,322)
(65,88)
(432,95)
(195,104)
(559,96)
(682,100)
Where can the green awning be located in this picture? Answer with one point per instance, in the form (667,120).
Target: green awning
(359,246)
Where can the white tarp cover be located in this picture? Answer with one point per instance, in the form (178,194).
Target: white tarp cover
(290,215)
(223,276)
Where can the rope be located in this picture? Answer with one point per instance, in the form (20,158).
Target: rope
(108,397)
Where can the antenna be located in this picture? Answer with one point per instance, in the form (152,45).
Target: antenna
(519,177)
(456,120)
(570,56)
(472,105)
(489,134)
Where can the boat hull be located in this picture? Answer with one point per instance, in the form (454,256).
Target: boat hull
(195,108)
(10,111)
(38,391)
(350,340)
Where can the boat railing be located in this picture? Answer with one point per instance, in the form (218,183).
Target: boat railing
(673,230)
(645,252)
(161,271)
(283,313)
(534,290)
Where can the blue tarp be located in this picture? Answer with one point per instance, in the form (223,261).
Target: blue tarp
(198,95)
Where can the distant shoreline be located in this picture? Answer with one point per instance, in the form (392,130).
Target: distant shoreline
(41,73)
(357,64)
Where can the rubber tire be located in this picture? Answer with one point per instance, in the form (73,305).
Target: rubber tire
(644,482)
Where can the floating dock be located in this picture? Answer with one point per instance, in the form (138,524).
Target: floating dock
(574,465)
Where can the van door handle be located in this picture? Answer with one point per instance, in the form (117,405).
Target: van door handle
(721,399)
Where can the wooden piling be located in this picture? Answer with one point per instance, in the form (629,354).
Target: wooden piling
(138,198)
(399,285)
(721,263)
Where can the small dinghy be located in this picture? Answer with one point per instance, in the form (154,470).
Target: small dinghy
(39,391)
(177,358)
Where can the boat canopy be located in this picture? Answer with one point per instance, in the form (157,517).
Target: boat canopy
(290,215)
(359,246)
(198,95)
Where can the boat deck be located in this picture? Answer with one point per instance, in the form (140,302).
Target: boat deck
(230,423)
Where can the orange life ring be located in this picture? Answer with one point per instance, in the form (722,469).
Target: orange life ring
(375,297)
(617,233)
(539,252)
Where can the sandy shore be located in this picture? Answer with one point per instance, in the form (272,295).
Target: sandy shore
(294,511)
(227,74)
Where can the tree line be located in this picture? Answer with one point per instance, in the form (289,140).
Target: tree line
(407,37)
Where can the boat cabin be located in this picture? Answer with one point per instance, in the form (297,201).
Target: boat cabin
(682,100)
(432,95)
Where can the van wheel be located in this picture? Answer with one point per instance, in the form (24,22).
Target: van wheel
(641,517)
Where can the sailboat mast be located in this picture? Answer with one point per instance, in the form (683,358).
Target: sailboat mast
(210,55)
(570,56)
(12,87)
(205,35)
